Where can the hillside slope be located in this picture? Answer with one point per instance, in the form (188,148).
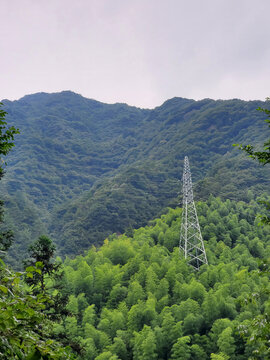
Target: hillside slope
(82,169)
(136,298)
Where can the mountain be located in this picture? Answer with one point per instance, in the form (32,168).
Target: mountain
(136,297)
(82,169)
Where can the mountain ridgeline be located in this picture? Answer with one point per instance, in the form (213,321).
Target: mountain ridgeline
(82,170)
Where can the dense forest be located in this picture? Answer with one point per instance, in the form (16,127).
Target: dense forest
(82,170)
(136,298)
(132,295)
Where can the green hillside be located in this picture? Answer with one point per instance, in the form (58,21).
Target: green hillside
(136,298)
(82,169)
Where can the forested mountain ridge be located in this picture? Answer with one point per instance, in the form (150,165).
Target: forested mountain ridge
(82,169)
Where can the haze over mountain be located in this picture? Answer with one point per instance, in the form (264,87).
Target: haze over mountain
(82,169)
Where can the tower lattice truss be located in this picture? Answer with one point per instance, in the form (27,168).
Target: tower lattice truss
(191,241)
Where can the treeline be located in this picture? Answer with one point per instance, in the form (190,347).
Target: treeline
(136,298)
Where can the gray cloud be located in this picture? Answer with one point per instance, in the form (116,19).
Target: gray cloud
(136,51)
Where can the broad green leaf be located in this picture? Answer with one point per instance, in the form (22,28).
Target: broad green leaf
(4,289)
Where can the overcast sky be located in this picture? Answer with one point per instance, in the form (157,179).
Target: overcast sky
(140,52)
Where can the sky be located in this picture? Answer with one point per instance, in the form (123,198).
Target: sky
(139,52)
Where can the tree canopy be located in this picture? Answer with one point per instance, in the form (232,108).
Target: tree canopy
(136,298)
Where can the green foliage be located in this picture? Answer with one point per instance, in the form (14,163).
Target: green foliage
(262,156)
(48,278)
(6,144)
(259,329)
(181,350)
(25,333)
(6,135)
(24,330)
(144,302)
(226,342)
(219,356)
(82,170)
(41,254)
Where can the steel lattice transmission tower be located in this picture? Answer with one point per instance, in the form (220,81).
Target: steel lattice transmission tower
(191,241)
